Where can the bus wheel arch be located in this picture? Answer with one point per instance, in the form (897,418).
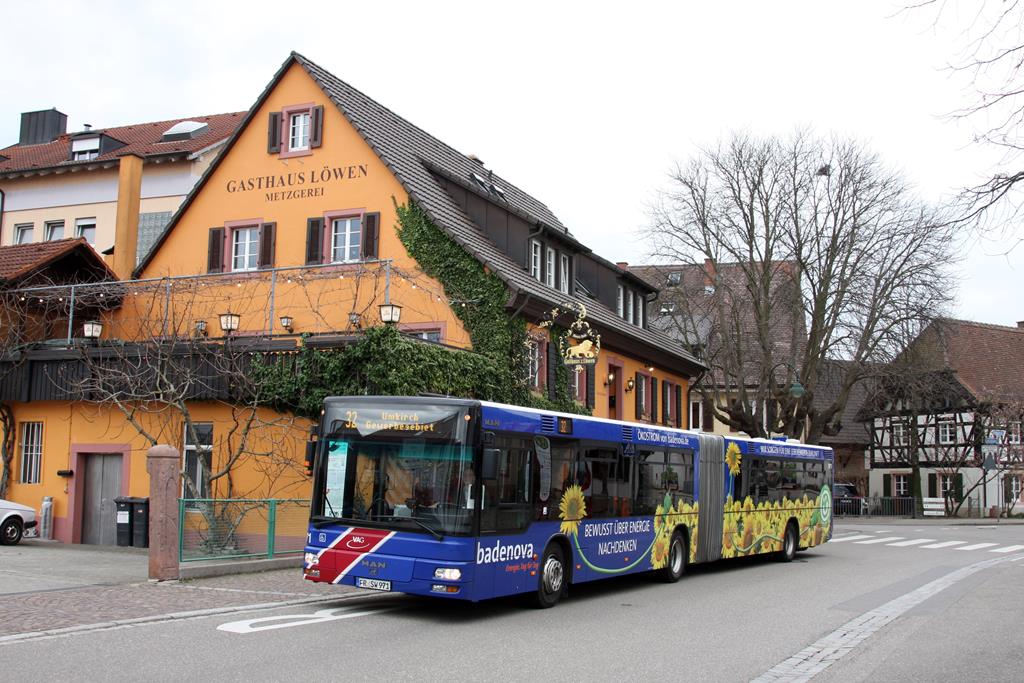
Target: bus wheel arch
(553,573)
(678,556)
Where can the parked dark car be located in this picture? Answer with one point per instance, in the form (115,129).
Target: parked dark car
(847,501)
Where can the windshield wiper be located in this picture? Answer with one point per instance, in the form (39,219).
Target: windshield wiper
(433,532)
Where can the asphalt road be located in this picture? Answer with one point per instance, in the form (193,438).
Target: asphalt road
(731,621)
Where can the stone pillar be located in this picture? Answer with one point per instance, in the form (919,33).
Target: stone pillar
(164,466)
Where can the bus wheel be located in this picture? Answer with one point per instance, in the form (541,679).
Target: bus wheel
(551,582)
(676,565)
(789,544)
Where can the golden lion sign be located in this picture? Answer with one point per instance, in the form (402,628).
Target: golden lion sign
(581,345)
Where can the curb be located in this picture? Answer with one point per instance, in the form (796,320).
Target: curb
(173,616)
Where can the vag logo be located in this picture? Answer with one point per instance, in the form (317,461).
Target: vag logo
(356,542)
(504,553)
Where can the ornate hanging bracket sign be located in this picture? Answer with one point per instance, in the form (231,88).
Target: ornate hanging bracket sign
(581,345)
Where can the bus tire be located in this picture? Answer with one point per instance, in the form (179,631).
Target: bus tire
(551,578)
(790,542)
(678,553)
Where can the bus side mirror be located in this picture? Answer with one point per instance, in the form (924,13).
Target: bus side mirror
(490,468)
(310,455)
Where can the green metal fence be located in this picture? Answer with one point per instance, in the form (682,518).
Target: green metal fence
(224,529)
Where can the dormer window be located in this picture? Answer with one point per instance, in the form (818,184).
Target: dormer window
(674,278)
(535,260)
(84,149)
(565,275)
(667,308)
(549,267)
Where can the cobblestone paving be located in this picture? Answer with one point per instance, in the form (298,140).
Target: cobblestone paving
(67,607)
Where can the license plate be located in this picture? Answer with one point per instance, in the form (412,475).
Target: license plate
(373,584)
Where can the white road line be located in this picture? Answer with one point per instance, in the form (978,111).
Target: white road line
(289,620)
(944,544)
(822,654)
(849,538)
(978,546)
(913,541)
(879,540)
(1007,549)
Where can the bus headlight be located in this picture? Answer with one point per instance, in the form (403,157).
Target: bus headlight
(311,560)
(448,573)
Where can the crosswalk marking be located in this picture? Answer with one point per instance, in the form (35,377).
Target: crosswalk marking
(849,538)
(944,544)
(879,540)
(978,546)
(1007,549)
(913,541)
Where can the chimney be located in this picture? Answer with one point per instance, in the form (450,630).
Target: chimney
(624,265)
(126,219)
(473,157)
(1020,324)
(87,127)
(39,127)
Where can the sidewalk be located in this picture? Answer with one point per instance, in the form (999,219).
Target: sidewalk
(47,587)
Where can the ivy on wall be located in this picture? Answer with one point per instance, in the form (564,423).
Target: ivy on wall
(385,362)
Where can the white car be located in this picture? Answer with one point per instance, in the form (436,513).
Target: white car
(15,520)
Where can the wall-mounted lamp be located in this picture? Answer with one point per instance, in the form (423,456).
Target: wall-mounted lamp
(201,328)
(390,313)
(630,384)
(650,369)
(286,322)
(92,329)
(611,378)
(229,322)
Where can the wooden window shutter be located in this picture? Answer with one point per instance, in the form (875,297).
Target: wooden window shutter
(707,421)
(371,233)
(679,406)
(215,254)
(636,395)
(314,240)
(274,133)
(958,486)
(268,242)
(316,126)
(886,485)
(591,375)
(933,486)
(666,407)
(552,358)
(653,412)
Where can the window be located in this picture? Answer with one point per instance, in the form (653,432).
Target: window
(696,410)
(1013,432)
(947,488)
(23,233)
(668,403)
(1015,488)
(298,131)
(535,260)
(86,227)
(346,234)
(641,306)
(643,384)
(549,267)
(54,230)
(660,474)
(534,358)
(674,279)
(429,335)
(578,383)
(947,429)
(901,485)
(195,481)
(85,149)
(619,303)
(667,308)
(899,431)
(564,275)
(31,452)
(629,306)
(245,248)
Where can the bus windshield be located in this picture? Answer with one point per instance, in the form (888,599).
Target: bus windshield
(406,470)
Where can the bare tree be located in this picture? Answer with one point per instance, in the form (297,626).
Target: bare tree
(826,239)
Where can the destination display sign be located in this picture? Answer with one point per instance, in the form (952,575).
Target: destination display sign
(784,450)
(369,419)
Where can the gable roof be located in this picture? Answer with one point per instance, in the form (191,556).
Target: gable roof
(414,156)
(141,139)
(988,359)
(20,261)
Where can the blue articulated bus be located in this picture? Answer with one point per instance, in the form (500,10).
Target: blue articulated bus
(473,500)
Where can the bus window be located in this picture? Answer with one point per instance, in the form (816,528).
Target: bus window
(507,497)
(679,475)
(599,474)
(650,491)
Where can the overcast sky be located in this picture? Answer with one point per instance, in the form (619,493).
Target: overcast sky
(585,108)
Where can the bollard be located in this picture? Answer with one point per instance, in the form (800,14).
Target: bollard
(46,519)
(164,466)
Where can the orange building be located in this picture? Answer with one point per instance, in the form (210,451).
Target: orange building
(295,236)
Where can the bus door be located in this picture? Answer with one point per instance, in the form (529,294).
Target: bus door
(711,494)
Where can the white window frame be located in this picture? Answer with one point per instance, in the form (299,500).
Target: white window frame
(549,267)
(947,485)
(535,260)
(1015,486)
(574,383)
(250,249)
(898,431)
(299,123)
(85,149)
(700,414)
(203,486)
(641,385)
(564,274)
(1013,432)
(945,427)
(534,364)
(51,227)
(31,445)
(83,224)
(352,230)
(620,301)
(24,229)
(641,306)
(629,306)
(901,485)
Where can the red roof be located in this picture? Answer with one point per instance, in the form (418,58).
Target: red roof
(143,139)
(988,359)
(18,261)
